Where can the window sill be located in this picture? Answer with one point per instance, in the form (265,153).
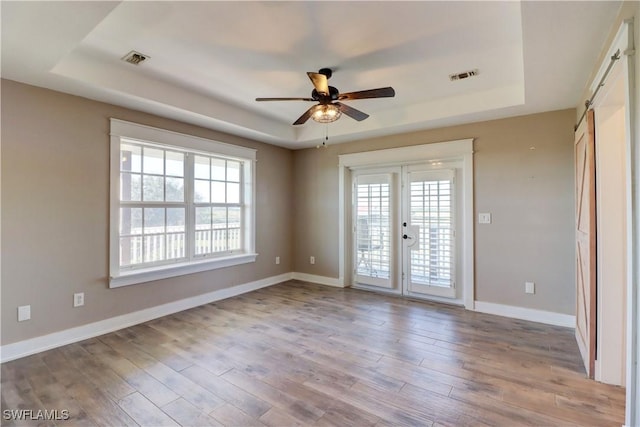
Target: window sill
(166,271)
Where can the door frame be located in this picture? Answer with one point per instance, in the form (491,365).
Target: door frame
(461,150)
(624,43)
(612,224)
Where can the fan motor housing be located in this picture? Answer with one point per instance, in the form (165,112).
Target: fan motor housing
(325,99)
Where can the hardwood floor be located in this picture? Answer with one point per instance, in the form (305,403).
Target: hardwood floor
(299,354)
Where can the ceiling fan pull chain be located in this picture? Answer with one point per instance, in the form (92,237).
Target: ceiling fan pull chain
(326,137)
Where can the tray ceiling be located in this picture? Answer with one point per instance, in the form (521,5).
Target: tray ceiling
(208,61)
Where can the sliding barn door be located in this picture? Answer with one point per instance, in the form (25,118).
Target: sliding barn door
(586,242)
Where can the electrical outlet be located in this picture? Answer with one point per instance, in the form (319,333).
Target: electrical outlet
(529,287)
(277,260)
(24,313)
(312,260)
(78,299)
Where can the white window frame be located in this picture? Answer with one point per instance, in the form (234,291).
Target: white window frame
(127,131)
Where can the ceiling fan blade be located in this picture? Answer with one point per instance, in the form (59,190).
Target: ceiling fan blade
(319,82)
(351,112)
(307,114)
(383,92)
(285,99)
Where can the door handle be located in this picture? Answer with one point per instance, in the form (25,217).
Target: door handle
(413,235)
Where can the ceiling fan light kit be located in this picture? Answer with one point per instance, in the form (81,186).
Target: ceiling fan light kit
(328,109)
(326,113)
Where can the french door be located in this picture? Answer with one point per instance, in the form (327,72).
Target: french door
(375,215)
(429,232)
(404,221)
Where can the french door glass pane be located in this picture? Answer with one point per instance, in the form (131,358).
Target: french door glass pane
(373,226)
(431,210)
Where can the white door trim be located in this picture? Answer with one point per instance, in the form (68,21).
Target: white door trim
(624,42)
(459,149)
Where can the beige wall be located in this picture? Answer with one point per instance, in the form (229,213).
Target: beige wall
(528,192)
(55,195)
(55,198)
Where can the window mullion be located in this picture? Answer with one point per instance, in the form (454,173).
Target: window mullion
(190,214)
(241,201)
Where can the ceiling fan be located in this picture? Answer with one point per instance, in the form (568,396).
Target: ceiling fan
(329,108)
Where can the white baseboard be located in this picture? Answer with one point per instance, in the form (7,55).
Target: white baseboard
(541,316)
(321,280)
(46,342)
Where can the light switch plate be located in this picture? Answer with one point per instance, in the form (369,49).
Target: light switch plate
(529,287)
(484,218)
(78,299)
(24,313)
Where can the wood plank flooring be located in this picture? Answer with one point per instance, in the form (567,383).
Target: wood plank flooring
(298,354)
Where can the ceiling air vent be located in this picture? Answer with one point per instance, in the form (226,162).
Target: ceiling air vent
(463,75)
(135,58)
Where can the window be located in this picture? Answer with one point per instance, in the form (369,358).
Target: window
(179,204)
(431,208)
(372,221)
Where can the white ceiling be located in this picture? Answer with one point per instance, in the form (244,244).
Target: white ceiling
(210,60)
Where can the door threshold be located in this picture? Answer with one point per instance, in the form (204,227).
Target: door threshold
(386,291)
(457,302)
